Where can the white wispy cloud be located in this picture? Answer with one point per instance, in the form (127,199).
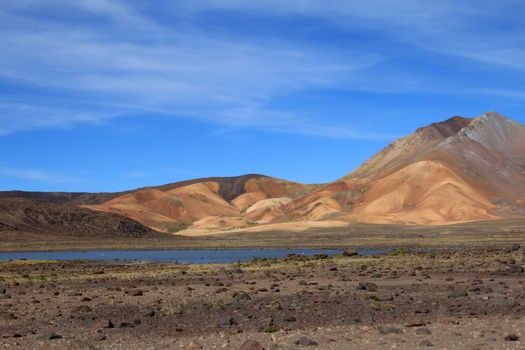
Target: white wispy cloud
(16,116)
(191,74)
(37,175)
(292,123)
(130,63)
(470,29)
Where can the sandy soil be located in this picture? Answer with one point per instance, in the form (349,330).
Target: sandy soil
(295,227)
(469,299)
(475,234)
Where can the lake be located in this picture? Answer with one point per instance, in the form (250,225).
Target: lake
(195,256)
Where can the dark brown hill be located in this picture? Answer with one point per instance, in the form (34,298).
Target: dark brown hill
(27,216)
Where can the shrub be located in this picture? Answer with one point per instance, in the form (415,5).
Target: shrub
(398,251)
(270,329)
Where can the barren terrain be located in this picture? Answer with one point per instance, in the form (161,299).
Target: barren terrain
(474,234)
(466,299)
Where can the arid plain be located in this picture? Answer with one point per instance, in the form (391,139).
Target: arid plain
(448,299)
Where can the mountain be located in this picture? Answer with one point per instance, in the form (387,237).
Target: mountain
(409,149)
(207,204)
(458,170)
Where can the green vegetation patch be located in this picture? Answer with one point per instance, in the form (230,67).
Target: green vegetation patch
(399,251)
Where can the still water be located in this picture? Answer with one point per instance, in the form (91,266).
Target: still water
(196,256)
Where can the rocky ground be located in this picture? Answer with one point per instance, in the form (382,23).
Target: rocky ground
(468,299)
(27,220)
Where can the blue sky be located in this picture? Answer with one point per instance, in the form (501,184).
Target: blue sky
(100,95)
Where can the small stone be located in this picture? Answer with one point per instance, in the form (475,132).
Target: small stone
(241,296)
(193,345)
(53,336)
(426,343)
(226,321)
(477,335)
(458,294)
(136,293)
(126,325)
(415,324)
(305,341)
(391,330)
(423,331)
(251,345)
(290,319)
(515,269)
(349,252)
(514,247)
(368,286)
(81,309)
(511,337)
(508,261)
(98,325)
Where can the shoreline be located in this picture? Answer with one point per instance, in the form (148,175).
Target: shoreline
(421,248)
